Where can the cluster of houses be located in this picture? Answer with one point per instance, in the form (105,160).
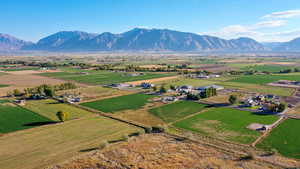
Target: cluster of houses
(190,89)
(69,98)
(261,101)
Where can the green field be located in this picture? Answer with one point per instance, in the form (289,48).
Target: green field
(101,77)
(268,68)
(284,138)
(132,101)
(175,111)
(20,69)
(13,118)
(264,79)
(226,123)
(48,108)
(49,145)
(279,91)
(2,85)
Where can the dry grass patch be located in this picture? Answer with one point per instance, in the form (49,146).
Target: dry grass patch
(153,80)
(43,146)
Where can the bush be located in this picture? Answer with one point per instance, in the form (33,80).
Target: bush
(103,145)
(62,116)
(148,129)
(232,99)
(125,137)
(158,129)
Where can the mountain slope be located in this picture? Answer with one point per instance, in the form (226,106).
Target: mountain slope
(293,45)
(142,40)
(10,43)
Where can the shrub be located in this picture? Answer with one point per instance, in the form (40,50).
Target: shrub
(103,145)
(148,129)
(158,129)
(232,99)
(125,137)
(62,116)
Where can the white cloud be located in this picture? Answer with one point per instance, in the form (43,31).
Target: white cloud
(282,14)
(269,24)
(261,31)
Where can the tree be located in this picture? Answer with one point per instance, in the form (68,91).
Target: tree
(232,99)
(162,89)
(62,116)
(49,91)
(172,87)
(281,107)
(154,88)
(17,92)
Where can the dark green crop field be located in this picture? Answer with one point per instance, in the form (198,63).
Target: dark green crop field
(175,111)
(14,118)
(103,77)
(268,68)
(284,138)
(226,123)
(133,101)
(264,79)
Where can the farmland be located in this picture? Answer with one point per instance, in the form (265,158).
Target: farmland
(284,138)
(2,85)
(264,79)
(250,87)
(226,123)
(174,111)
(268,68)
(13,117)
(133,101)
(102,77)
(48,108)
(49,145)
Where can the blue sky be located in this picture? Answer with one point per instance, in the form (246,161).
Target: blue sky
(263,20)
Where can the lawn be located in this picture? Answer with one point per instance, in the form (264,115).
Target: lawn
(279,91)
(48,108)
(264,79)
(226,123)
(102,77)
(178,110)
(132,101)
(48,145)
(13,118)
(284,138)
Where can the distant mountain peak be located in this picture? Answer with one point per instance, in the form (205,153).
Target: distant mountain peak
(11,43)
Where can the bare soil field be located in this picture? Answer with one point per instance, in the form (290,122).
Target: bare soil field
(24,79)
(160,151)
(153,80)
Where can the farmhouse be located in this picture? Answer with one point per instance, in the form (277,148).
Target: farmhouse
(145,85)
(184,89)
(20,102)
(217,87)
(169,99)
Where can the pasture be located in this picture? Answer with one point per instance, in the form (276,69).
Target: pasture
(284,138)
(268,68)
(49,145)
(264,79)
(264,89)
(226,123)
(13,118)
(102,77)
(94,92)
(132,101)
(178,110)
(48,108)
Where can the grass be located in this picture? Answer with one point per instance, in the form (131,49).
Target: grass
(279,91)
(284,138)
(268,68)
(264,79)
(13,118)
(49,145)
(49,108)
(102,77)
(226,123)
(3,85)
(174,111)
(94,92)
(132,101)
(21,69)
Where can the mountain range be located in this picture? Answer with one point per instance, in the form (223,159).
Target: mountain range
(141,40)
